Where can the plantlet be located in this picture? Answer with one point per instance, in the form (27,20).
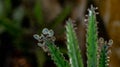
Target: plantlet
(97,49)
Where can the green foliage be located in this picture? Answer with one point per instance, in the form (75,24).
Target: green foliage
(73,46)
(56,55)
(7,5)
(104,50)
(92,39)
(46,41)
(103,56)
(38,12)
(97,50)
(14,30)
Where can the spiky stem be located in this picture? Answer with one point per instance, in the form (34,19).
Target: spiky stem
(73,46)
(56,55)
(92,39)
(46,42)
(104,51)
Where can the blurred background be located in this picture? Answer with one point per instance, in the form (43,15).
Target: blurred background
(20,19)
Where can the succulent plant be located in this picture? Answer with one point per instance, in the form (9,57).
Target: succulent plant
(97,49)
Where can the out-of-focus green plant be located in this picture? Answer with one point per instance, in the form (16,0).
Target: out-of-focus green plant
(97,50)
(13,18)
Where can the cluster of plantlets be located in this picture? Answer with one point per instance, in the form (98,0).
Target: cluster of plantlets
(97,49)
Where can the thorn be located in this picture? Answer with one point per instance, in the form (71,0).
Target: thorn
(53,38)
(108,60)
(108,57)
(86,15)
(86,20)
(109,51)
(75,28)
(99,49)
(98,55)
(107,64)
(110,42)
(88,9)
(96,8)
(45,48)
(49,54)
(101,40)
